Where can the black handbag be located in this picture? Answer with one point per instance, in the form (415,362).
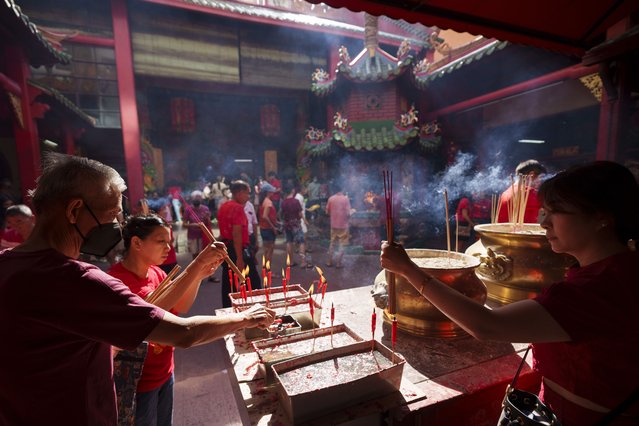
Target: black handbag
(521,408)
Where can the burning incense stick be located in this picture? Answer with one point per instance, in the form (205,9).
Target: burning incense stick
(163,286)
(456,234)
(447,222)
(390,234)
(228,260)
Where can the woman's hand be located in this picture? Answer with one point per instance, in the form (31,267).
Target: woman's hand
(259,316)
(210,258)
(395,259)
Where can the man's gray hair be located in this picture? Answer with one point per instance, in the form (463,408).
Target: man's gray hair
(66,176)
(18,210)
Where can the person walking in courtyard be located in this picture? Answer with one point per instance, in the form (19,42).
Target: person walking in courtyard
(234,234)
(292,214)
(338,208)
(267,220)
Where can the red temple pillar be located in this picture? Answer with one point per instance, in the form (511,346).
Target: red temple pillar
(24,130)
(128,106)
(615,101)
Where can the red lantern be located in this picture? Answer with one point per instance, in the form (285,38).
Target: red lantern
(270,120)
(182,115)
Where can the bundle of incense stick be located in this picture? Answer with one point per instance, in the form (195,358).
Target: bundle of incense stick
(519,200)
(211,237)
(144,207)
(164,286)
(390,234)
(495,208)
(228,260)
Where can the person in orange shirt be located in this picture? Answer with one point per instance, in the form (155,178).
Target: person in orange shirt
(532,170)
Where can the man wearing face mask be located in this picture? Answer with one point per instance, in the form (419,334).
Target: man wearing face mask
(194,214)
(60,316)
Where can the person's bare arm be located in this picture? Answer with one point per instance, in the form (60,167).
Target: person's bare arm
(197,330)
(185,287)
(524,321)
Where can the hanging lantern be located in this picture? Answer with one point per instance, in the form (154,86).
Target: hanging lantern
(183,115)
(270,120)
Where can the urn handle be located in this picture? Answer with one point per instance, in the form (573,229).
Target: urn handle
(496,266)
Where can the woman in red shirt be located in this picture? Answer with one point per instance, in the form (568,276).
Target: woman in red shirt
(147,243)
(267,220)
(583,329)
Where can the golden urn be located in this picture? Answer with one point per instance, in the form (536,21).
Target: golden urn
(516,260)
(415,314)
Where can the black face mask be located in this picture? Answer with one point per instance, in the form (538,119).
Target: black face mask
(197,203)
(101,239)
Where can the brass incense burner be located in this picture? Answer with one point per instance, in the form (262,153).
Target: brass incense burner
(516,260)
(415,314)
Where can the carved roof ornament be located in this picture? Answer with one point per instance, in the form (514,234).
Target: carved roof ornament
(370,33)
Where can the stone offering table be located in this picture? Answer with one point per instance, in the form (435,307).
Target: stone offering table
(445,381)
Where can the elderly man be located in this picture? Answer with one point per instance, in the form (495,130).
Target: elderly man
(60,316)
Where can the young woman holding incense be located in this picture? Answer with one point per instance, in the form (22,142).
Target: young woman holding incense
(583,329)
(147,242)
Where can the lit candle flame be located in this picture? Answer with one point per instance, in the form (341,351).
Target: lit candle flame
(319,271)
(263,261)
(268,265)
(310,289)
(288,260)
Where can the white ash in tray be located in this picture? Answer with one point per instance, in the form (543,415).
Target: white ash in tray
(333,372)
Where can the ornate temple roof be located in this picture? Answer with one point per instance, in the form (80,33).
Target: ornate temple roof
(424,73)
(40,51)
(282,17)
(63,101)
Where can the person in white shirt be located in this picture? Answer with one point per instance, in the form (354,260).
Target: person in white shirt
(251,216)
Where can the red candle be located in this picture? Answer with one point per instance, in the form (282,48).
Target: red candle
(248,284)
(284,282)
(373,322)
(373,325)
(394,332)
(269,278)
(237,282)
(288,268)
(243,291)
(312,308)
